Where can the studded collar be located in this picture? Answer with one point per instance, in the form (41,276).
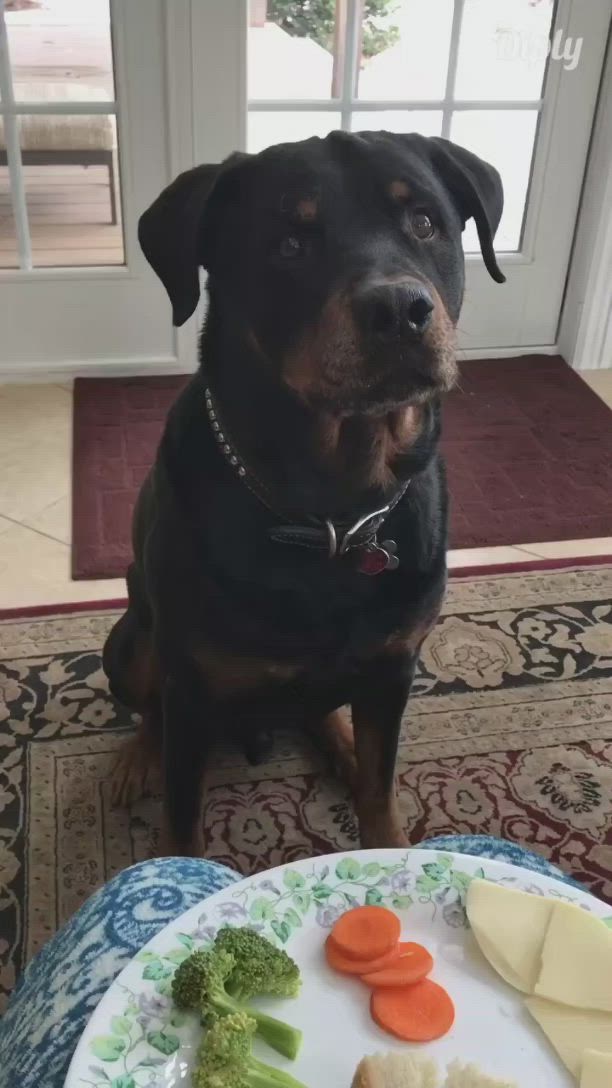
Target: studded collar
(357,540)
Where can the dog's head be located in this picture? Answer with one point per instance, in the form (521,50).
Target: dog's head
(338,260)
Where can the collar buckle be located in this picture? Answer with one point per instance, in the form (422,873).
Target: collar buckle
(332,538)
(371,521)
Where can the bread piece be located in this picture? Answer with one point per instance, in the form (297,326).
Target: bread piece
(406,1071)
(468,1076)
(396,1071)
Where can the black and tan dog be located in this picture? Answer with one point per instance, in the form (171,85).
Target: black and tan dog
(290,540)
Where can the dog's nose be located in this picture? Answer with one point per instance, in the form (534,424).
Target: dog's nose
(419,308)
(389,310)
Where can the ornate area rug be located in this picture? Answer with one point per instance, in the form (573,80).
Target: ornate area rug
(508,733)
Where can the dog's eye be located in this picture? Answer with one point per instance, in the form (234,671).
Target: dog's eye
(290,246)
(422,225)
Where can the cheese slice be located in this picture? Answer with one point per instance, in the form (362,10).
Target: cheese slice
(576,960)
(510,927)
(491,953)
(572,1031)
(596,1070)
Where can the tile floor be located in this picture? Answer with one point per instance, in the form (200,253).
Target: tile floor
(35,437)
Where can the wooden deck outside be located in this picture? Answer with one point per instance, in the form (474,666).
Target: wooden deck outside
(70,218)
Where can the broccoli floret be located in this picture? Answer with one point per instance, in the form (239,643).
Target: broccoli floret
(200,983)
(261,970)
(191,980)
(225,1059)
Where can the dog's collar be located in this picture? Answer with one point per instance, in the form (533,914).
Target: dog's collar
(357,539)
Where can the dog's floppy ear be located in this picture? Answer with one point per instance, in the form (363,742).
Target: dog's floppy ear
(477,191)
(170,234)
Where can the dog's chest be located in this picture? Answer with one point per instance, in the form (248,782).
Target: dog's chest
(308,647)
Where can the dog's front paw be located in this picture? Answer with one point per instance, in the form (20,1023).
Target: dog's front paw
(335,732)
(384,839)
(170,847)
(258,746)
(381,830)
(135,773)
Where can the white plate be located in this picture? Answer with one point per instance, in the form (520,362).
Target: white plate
(136,1040)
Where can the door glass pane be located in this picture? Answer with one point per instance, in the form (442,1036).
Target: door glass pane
(503,49)
(506,139)
(71,173)
(8,242)
(61,53)
(291,49)
(266,128)
(60,42)
(404,49)
(427,122)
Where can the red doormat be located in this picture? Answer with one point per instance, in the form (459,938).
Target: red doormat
(527,443)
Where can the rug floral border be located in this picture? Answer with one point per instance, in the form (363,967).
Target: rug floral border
(514,693)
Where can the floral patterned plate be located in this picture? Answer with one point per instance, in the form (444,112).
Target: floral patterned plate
(135,1039)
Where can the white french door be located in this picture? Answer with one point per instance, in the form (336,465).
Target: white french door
(102,102)
(516,81)
(84,148)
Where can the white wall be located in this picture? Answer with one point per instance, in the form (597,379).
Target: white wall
(585,329)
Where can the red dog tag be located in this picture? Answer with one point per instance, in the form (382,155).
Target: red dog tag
(375,558)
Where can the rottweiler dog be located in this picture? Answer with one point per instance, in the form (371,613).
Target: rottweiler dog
(289,542)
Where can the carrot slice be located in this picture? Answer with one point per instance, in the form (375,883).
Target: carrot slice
(413,963)
(346,966)
(365,933)
(416,1013)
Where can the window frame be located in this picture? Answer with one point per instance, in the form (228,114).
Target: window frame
(10,111)
(347,102)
